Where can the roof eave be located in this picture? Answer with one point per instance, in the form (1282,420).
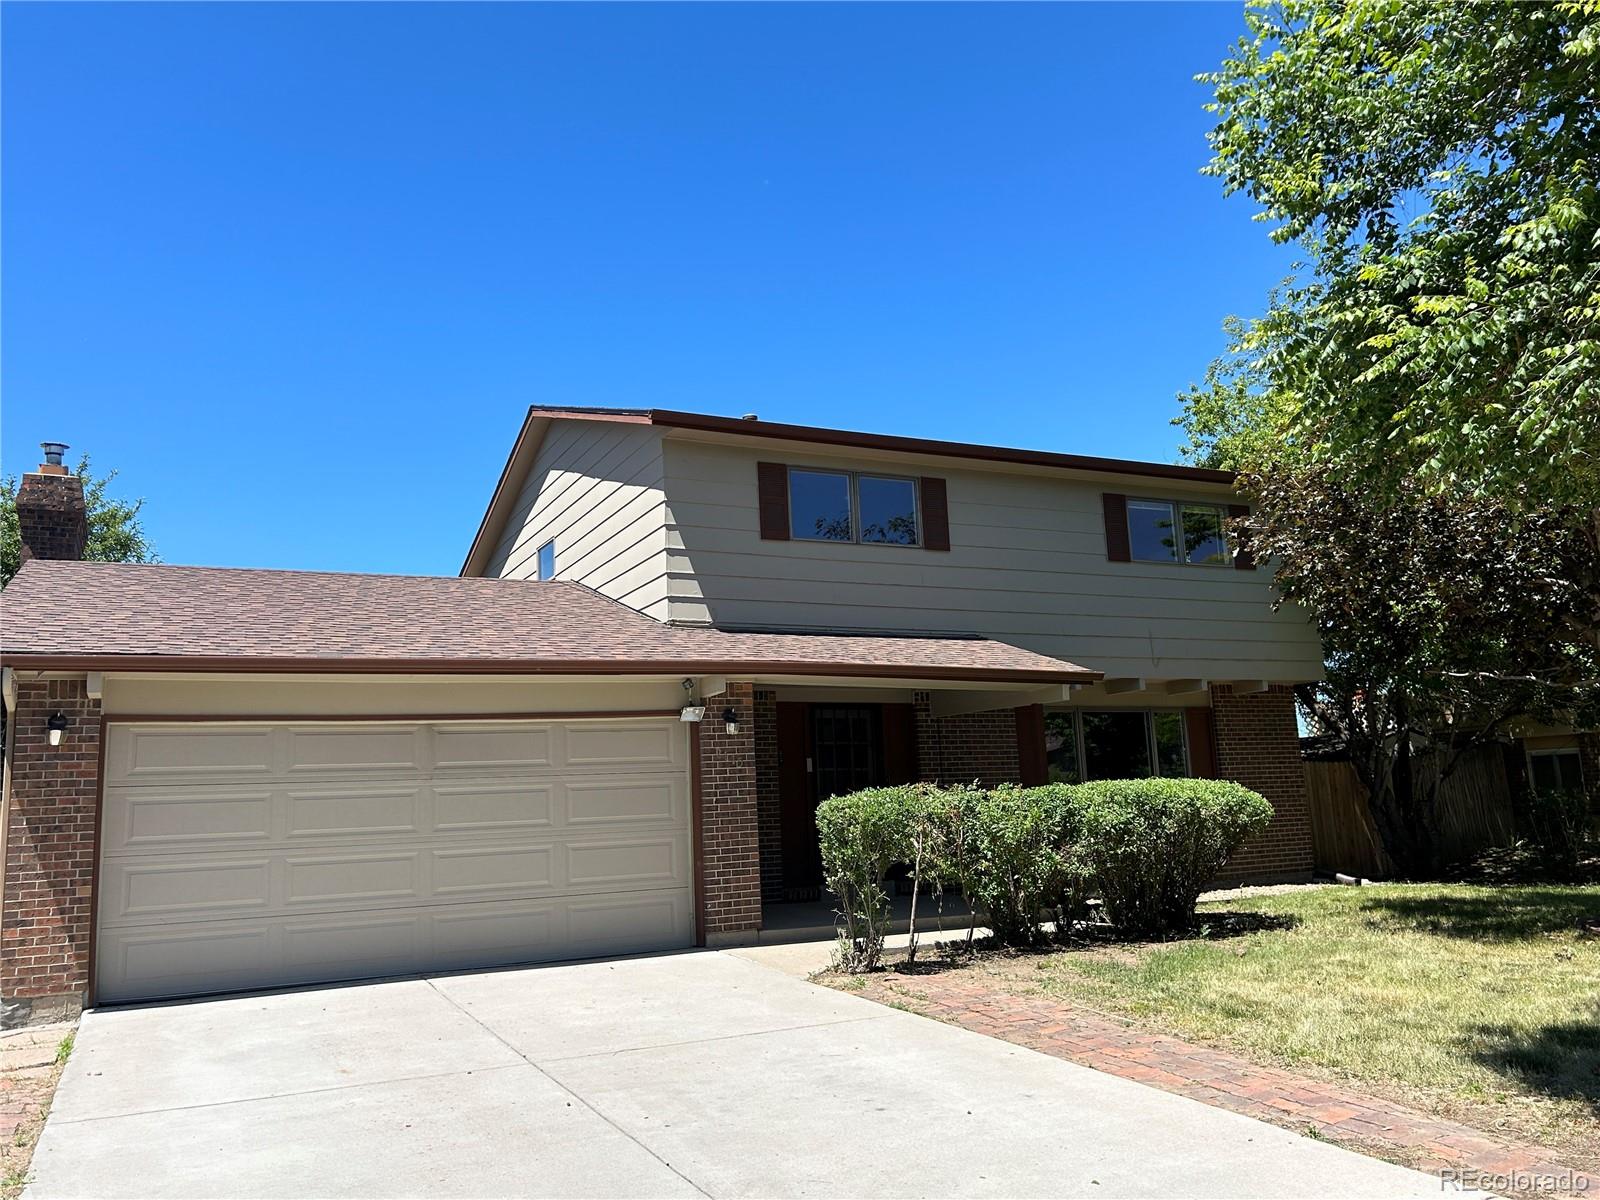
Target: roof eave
(505,492)
(817,435)
(163,663)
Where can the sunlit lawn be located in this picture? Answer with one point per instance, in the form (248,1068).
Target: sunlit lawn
(1478,1002)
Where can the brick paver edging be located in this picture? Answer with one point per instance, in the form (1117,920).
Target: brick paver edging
(1220,1078)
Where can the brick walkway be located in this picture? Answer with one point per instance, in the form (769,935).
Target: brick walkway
(1220,1078)
(28,1074)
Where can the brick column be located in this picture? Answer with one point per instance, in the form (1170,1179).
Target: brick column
(1258,745)
(48,915)
(980,746)
(769,815)
(730,854)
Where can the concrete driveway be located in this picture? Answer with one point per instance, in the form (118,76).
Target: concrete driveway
(681,1075)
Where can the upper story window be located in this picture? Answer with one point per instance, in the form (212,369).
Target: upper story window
(547,560)
(1174,531)
(839,506)
(819,506)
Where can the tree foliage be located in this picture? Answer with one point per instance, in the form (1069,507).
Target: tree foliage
(1437,161)
(1442,618)
(116,533)
(1417,412)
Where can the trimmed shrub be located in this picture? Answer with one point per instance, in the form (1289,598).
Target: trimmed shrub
(1022,858)
(862,835)
(1150,846)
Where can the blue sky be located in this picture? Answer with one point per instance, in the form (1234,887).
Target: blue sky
(296,270)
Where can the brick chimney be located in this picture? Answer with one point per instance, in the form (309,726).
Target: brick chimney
(50,510)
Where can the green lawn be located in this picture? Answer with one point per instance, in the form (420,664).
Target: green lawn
(1482,1003)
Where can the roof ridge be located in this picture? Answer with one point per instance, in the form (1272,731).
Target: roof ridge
(470,579)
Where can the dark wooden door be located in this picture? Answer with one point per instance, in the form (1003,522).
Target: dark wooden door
(823,750)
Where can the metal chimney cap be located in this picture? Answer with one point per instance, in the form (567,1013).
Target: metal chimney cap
(749,417)
(53,452)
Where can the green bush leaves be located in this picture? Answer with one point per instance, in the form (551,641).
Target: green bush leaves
(1151,845)
(1147,847)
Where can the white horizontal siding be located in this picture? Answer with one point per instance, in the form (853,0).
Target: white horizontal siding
(596,489)
(1027,565)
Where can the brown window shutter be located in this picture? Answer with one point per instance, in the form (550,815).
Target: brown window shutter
(1115,505)
(772,493)
(1202,747)
(935,513)
(1243,560)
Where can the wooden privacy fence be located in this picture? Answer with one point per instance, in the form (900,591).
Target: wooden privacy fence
(1474,812)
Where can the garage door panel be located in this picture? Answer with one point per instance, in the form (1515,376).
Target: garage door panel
(355,750)
(354,812)
(635,863)
(621,800)
(170,753)
(353,879)
(355,945)
(504,805)
(494,869)
(163,890)
(651,921)
(479,748)
(161,962)
(475,936)
(321,852)
(166,817)
(613,745)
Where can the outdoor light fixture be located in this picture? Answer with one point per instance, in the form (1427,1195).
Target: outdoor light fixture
(57,725)
(730,721)
(691,712)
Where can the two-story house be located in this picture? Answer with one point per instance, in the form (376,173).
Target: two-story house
(674,634)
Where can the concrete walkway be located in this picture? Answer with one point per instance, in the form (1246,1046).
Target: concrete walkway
(679,1075)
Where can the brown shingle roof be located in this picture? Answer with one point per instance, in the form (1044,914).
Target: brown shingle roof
(96,616)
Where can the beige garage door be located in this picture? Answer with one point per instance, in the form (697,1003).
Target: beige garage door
(241,856)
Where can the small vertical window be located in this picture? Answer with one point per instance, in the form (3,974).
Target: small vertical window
(1202,535)
(888,510)
(1061,747)
(547,560)
(819,506)
(1172,758)
(1153,530)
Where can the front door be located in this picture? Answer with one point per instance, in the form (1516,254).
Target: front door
(842,749)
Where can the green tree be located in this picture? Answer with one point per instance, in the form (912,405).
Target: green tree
(1443,620)
(1417,411)
(116,533)
(1437,162)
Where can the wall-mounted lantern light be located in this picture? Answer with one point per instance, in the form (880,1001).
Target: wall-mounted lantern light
(730,721)
(57,725)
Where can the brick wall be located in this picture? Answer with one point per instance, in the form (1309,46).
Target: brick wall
(769,816)
(730,853)
(975,746)
(47,919)
(1258,745)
